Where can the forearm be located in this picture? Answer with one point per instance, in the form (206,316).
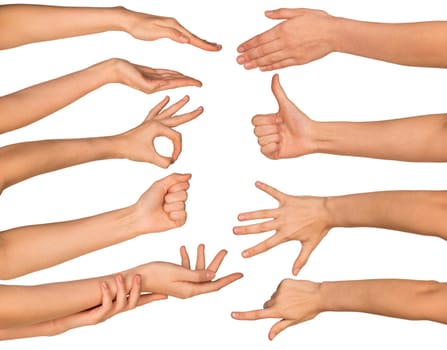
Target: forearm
(412,300)
(31,104)
(421,212)
(23,306)
(414,44)
(51,244)
(417,139)
(24,160)
(33,23)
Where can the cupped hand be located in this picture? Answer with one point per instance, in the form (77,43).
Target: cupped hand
(286,134)
(293,302)
(182,281)
(305,35)
(162,207)
(138,144)
(150,27)
(303,219)
(150,80)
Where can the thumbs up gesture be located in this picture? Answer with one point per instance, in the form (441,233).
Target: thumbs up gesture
(286,134)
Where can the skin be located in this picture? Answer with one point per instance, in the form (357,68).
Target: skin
(23,305)
(306,35)
(24,160)
(34,23)
(309,219)
(31,104)
(298,301)
(111,305)
(160,208)
(290,133)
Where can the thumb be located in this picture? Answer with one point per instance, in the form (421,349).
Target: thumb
(279,92)
(283,13)
(302,259)
(172,180)
(278,327)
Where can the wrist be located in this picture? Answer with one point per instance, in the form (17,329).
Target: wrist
(340,34)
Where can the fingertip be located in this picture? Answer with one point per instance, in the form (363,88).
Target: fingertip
(246,254)
(104,286)
(241,49)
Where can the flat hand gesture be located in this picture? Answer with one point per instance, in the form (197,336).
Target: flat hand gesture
(150,80)
(183,282)
(138,144)
(293,302)
(287,133)
(303,219)
(162,206)
(304,36)
(151,27)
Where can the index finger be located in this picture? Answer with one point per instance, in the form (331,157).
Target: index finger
(254,314)
(183,118)
(259,39)
(194,40)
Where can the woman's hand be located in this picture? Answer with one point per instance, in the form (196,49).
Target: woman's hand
(182,281)
(293,302)
(303,219)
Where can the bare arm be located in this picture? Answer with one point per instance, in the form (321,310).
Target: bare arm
(299,301)
(160,208)
(306,35)
(24,306)
(24,160)
(309,219)
(291,133)
(33,23)
(31,104)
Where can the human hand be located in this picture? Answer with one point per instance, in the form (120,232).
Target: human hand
(304,36)
(293,302)
(150,27)
(303,219)
(287,133)
(138,144)
(162,206)
(180,280)
(111,305)
(149,80)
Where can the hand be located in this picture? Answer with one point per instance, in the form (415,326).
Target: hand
(150,80)
(138,144)
(111,305)
(162,206)
(180,280)
(303,219)
(149,27)
(293,302)
(287,133)
(304,36)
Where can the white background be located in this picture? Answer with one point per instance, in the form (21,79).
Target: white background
(221,152)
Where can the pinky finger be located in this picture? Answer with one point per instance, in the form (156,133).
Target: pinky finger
(278,327)
(270,150)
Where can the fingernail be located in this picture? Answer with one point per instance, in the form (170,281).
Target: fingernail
(104,285)
(241,59)
(268,12)
(249,65)
(240,49)
(120,279)
(234,314)
(245,254)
